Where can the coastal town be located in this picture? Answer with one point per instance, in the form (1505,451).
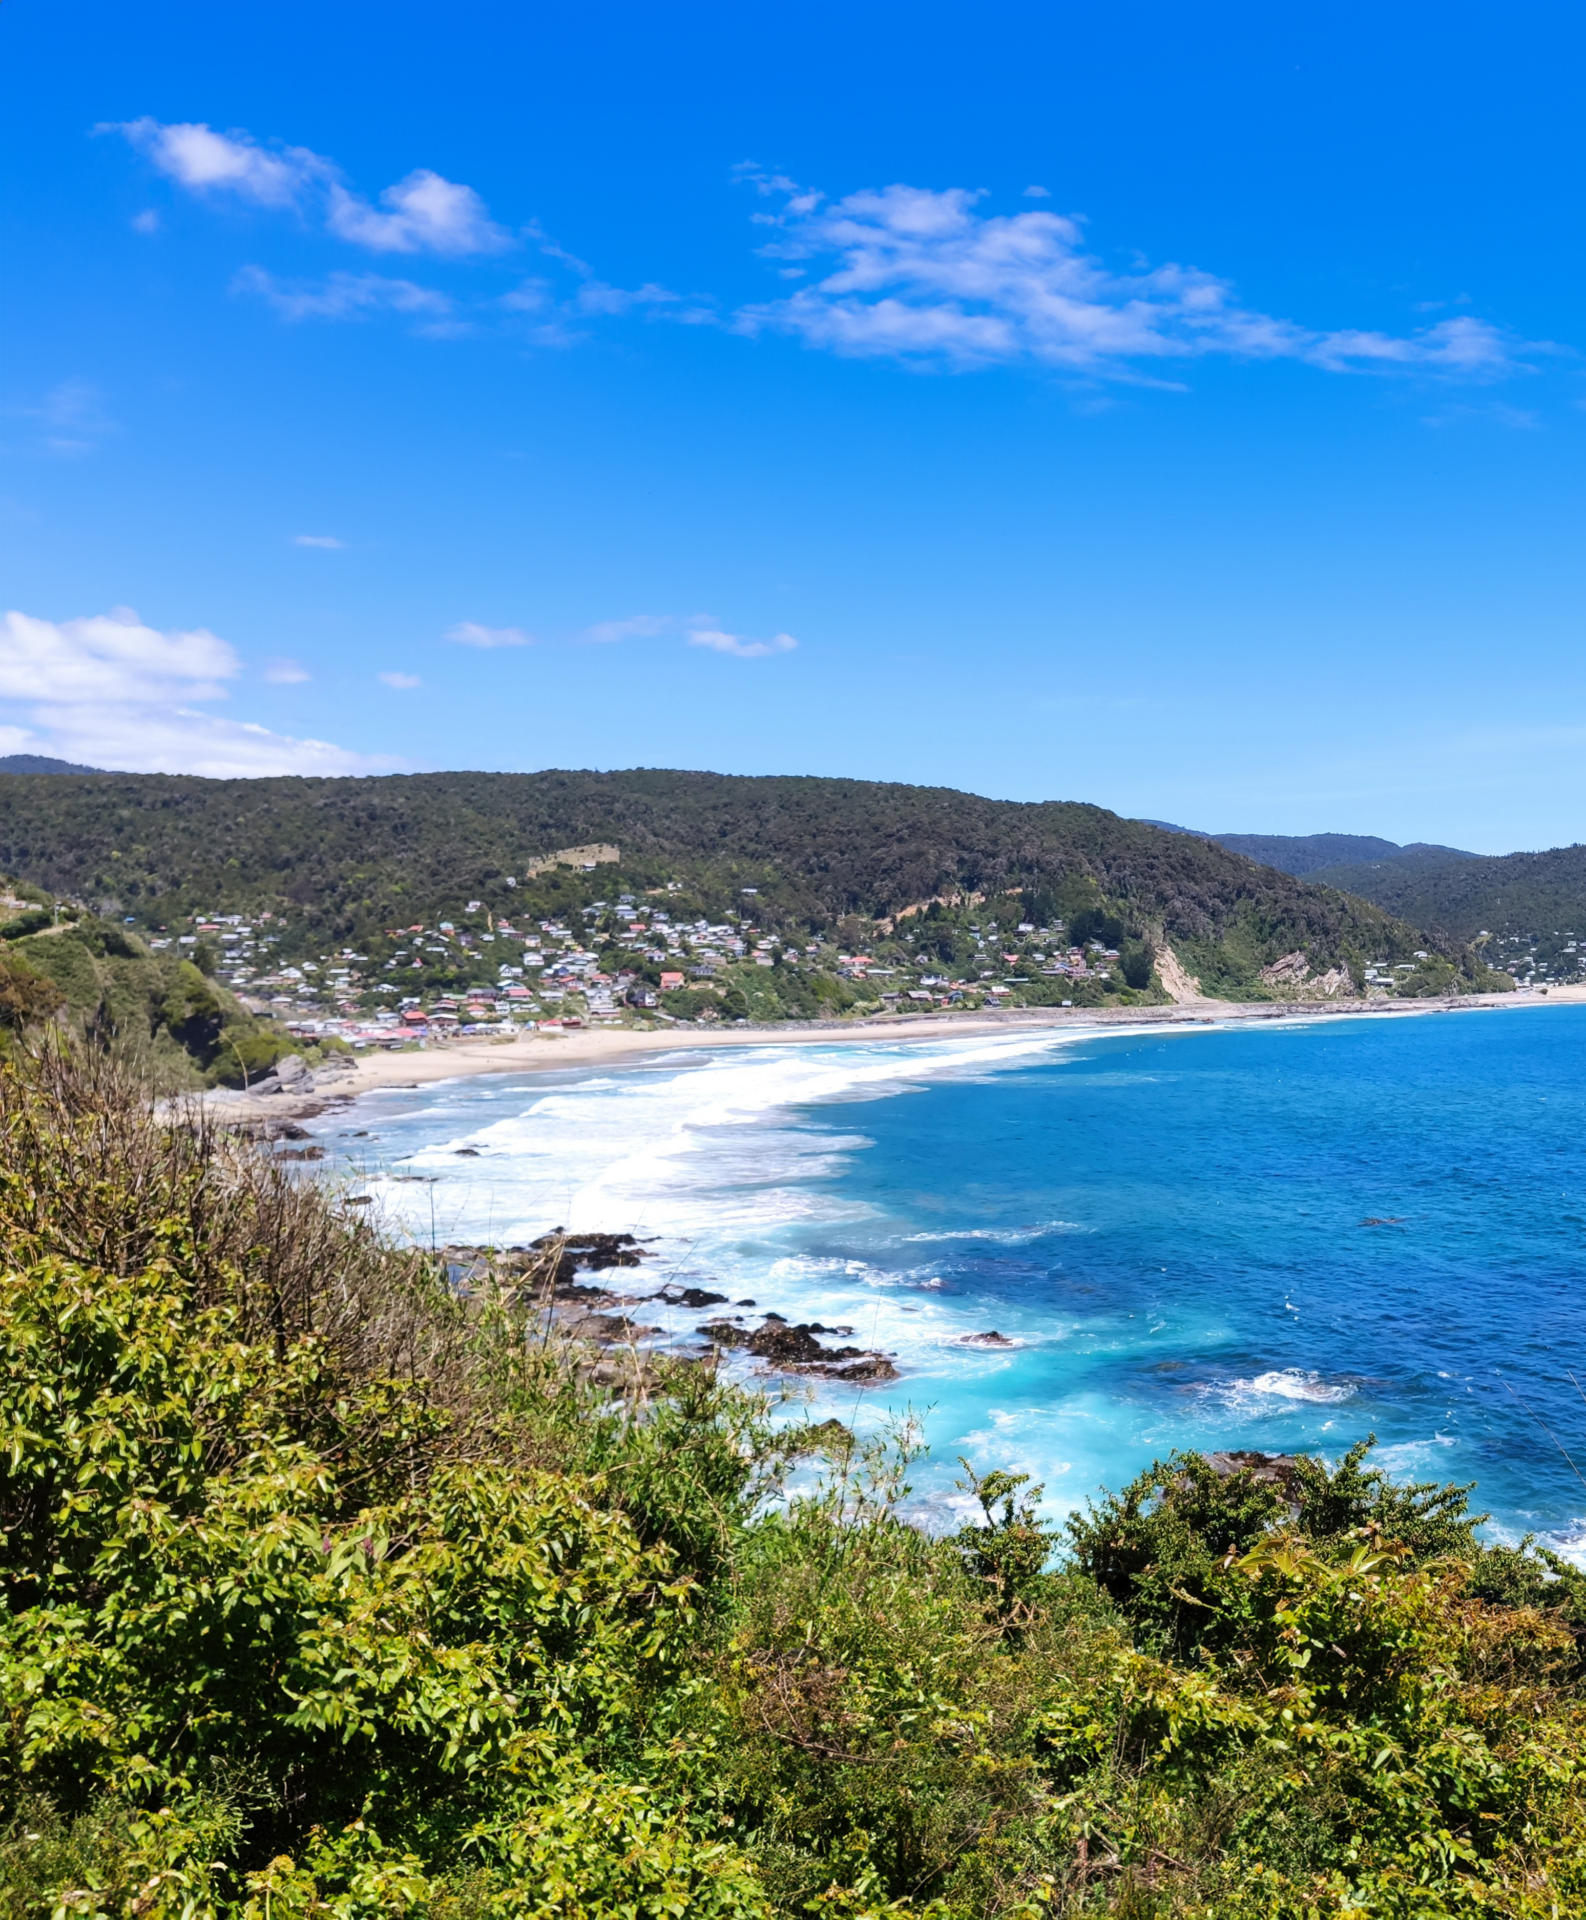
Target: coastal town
(636,961)
(639,961)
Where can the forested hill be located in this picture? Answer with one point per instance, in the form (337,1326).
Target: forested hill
(1534,895)
(1323,857)
(1307,855)
(355,854)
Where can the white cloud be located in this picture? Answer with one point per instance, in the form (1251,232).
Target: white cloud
(284,672)
(110,657)
(326,540)
(196,157)
(403,682)
(741,649)
(468,633)
(177,740)
(343,296)
(107,690)
(1037,193)
(923,276)
(146,222)
(424,214)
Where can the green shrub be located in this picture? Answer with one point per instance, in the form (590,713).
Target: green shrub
(243,1055)
(22,924)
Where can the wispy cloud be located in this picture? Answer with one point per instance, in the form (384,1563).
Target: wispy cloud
(423,213)
(343,296)
(69,419)
(1488,413)
(284,672)
(737,646)
(108,690)
(328,541)
(596,297)
(468,633)
(697,629)
(923,276)
(638,626)
(205,162)
(402,682)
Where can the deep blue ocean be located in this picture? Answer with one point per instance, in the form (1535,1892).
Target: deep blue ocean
(1283,1237)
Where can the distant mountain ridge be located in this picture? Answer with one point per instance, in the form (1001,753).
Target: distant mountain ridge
(1533,902)
(1306,855)
(1532,894)
(40,763)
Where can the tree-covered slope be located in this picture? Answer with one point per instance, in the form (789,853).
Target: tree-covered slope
(40,763)
(354,854)
(1319,856)
(1528,893)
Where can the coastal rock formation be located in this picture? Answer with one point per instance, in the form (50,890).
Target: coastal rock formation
(1292,970)
(689,1297)
(795,1349)
(1269,1469)
(594,1250)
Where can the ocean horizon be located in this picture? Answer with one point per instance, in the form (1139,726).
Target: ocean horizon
(1284,1237)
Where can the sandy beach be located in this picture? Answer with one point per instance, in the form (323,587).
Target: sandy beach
(553,1051)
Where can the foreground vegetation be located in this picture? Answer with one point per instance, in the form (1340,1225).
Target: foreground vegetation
(330,1592)
(344,860)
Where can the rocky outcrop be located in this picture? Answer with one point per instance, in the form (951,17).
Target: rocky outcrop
(795,1349)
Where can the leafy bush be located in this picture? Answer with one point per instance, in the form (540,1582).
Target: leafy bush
(22,924)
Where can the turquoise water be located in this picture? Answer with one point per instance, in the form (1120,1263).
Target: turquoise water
(1282,1237)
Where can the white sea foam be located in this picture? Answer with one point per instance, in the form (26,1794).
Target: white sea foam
(1002,1236)
(1293,1383)
(709,1146)
(1406,1458)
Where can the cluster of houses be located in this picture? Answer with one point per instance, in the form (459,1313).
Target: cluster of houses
(552,976)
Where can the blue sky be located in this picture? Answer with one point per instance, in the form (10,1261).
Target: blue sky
(1176,408)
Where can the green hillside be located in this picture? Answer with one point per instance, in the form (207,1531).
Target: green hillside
(343,859)
(1532,906)
(1319,856)
(156,1012)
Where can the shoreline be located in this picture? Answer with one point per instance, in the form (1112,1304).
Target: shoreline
(557,1051)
